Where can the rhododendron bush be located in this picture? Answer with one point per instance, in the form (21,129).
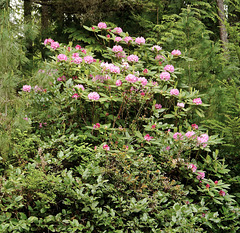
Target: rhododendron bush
(117,135)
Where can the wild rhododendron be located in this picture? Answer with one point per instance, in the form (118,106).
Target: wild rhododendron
(174,92)
(62,57)
(102,25)
(165,76)
(197,101)
(169,68)
(26,88)
(93,96)
(140,40)
(176,52)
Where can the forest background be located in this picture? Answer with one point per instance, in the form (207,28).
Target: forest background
(208,35)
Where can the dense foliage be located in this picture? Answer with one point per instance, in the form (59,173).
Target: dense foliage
(129,132)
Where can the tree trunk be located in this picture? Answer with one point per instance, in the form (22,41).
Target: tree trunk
(222,19)
(27,20)
(45,16)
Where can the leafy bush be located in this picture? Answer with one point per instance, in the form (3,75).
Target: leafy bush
(117,148)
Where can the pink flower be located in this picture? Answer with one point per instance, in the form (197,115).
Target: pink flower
(93,28)
(169,68)
(207,186)
(120,54)
(194,126)
(117,48)
(143,81)
(180,105)
(26,88)
(127,39)
(132,58)
(203,138)
(117,30)
(62,78)
(118,39)
(193,167)
(160,57)
(96,126)
(145,71)
(25,118)
(54,45)
(201,175)
(178,136)
(197,101)
(140,40)
(75,55)
(156,48)
(216,182)
(75,96)
(106,147)
(222,193)
(148,138)
(158,106)
(80,86)
(131,78)
(108,36)
(62,57)
(93,96)
(84,51)
(165,76)
(77,60)
(153,127)
(88,59)
(102,25)
(78,47)
(174,92)
(118,83)
(176,52)
(189,134)
(168,148)
(48,41)
(40,125)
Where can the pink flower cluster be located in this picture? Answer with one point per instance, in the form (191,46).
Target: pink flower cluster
(131,78)
(178,136)
(148,138)
(133,58)
(77,60)
(93,96)
(203,139)
(61,79)
(54,45)
(156,48)
(201,175)
(127,39)
(106,147)
(100,78)
(165,76)
(140,40)
(110,67)
(118,39)
(169,68)
(143,81)
(174,92)
(26,88)
(193,167)
(117,30)
(189,134)
(197,101)
(80,86)
(48,41)
(117,48)
(160,57)
(62,57)
(158,106)
(88,59)
(194,126)
(75,96)
(96,126)
(181,105)
(118,83)
(176,52)
(102,25)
